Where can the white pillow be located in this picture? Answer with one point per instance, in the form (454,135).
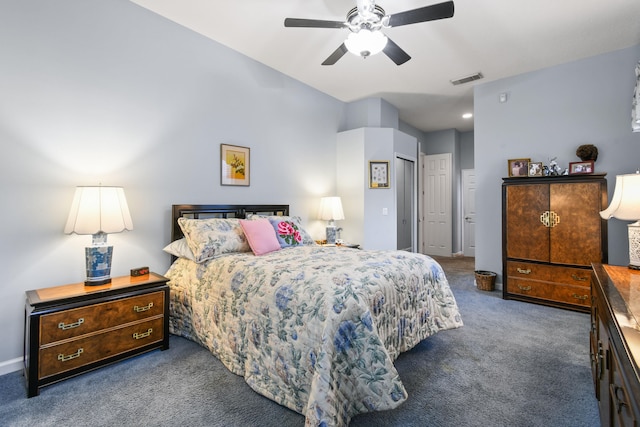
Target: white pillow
(180,249)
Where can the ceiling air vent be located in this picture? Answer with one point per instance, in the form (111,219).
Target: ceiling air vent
(467,79)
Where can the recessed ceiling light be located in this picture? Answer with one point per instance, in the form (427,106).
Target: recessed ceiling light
(467,115)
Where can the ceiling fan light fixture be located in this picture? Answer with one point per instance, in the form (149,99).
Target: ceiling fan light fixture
(365,42)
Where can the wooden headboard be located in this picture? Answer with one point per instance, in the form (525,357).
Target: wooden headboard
(220,211)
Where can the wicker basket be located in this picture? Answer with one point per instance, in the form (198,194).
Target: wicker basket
(485,280)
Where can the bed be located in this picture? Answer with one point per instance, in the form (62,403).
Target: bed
(312,327)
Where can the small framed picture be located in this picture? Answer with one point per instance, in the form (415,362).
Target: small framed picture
(518,167)
(234,165)
(535,168)
(379,174)
(578,168)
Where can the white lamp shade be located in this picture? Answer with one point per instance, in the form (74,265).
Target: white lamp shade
(365,43)
(99,210)
(625,204)
(331,209)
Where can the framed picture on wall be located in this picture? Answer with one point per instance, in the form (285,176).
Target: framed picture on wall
(518,167)
(234,165)
(379,174)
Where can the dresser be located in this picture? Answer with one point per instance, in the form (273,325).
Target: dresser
(74,328)
(615,344)
(552,233)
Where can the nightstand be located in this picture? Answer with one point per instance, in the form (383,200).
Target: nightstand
(74,328)
(342,245)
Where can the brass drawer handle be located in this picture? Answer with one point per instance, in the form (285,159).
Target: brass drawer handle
(523,271)
(583,297)
(620,401)
(549,218)
(600,361)
(141,335)
(524,288)
(578,278)
(138,309)
(68,357)
(64,327)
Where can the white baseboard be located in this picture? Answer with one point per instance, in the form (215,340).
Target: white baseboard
(11,365)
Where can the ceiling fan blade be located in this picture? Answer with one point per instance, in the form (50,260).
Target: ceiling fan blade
(337,54)
(395,53)
(423,14)
(313,23)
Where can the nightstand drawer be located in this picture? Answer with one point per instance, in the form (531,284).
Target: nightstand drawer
(80,321)
(83,351)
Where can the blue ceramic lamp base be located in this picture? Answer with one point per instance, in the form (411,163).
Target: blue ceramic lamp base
(98,260)
(331,235)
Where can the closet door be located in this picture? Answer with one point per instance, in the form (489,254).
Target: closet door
(404,203)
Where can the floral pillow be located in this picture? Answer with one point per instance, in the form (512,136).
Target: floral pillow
(212,237)
(295,222)
(287,232)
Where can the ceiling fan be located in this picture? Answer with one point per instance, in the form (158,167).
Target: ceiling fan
(365,23)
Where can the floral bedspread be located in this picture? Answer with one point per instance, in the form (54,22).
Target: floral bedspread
(314,328)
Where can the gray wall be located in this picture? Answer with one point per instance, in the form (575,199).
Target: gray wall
(550,113)
(467,147)
(108,92)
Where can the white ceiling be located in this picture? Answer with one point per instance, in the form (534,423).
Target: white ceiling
(499,38)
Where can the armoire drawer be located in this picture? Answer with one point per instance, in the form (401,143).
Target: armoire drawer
(80,321)
(550,291)
(549,273)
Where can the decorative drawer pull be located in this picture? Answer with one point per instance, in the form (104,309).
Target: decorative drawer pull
(143,308)
(583,297)
(64,327)
(549,218)
(578,278)
(600,361)
(141,335)
(75,355)
(524,288)
(523,271)
(620,401)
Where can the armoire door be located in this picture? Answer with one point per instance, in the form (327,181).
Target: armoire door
(527,237)
(575,239)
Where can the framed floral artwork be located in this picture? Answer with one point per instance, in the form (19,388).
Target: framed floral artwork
(379,174)
(234,165)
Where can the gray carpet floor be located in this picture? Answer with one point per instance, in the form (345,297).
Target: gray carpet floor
(512,364)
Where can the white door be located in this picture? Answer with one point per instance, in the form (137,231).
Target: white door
(469,212)
(437,217)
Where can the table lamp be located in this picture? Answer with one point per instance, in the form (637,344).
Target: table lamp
(625,205)
(331,210)
(98,211)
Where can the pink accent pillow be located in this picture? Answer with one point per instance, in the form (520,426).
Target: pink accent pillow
(260,235)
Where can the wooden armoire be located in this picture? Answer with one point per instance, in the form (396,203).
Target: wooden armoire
(551,234)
